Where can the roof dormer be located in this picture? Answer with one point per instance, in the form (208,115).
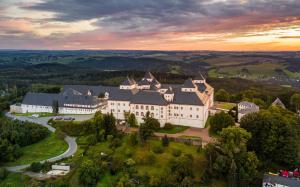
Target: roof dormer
(169,95)
(128,84)
(199,79)
(188,86)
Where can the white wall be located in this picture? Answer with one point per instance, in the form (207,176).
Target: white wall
(36,109)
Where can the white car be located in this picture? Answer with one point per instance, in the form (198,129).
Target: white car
(35,115)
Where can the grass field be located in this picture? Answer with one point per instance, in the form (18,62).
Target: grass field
(13,180)
(175,129)
(225,105)
(47,148)
(30,114)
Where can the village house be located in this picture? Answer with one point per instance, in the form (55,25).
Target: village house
(246,107)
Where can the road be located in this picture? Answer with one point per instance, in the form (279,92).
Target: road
(44,122)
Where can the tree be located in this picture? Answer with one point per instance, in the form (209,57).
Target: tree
(89,173)
(131,121)
(133,139)
(273,137)
(3,174)
(151,122)
(295,102)
(222,95)
(98,123)
(229,157)
(101,95)
(55,107)
(220,121)
(165,141)
(145,132)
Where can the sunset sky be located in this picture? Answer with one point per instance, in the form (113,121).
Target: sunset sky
(150,24)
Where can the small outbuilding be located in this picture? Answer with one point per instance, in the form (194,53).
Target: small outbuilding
(278,102)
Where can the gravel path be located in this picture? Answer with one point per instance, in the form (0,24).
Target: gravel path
(44,122)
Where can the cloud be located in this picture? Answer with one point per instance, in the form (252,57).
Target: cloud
(290,37)
(174,15)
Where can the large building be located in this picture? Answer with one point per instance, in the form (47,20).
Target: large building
(187,104)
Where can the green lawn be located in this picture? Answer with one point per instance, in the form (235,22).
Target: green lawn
(225,105)
(175,129)
(190,137)
(47,148)
(13,180)
(43,114)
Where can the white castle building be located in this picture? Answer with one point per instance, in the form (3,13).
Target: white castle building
(187,104)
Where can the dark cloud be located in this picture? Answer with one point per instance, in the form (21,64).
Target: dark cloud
(174,15)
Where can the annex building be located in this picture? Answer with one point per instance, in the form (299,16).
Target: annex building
(183,104)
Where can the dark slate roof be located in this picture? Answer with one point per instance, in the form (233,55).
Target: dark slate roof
(128,82)
(188,84)
(186,98)
(144,82)
(43,99)
(170,90)
(148,75)
(199,77)
(95,90)
(166,86)
(78,99)
(201,87)
(290,182)
(148,97)
(121,95)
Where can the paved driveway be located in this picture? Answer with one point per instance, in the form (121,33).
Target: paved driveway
(44,122)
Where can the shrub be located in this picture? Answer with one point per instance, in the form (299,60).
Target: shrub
(158,149)
(116,165)
(89,173)
(3,174)
(116,142)
(60,134)
(36,167)
(165,141)
(176,152)
(92,139)
(150,158)
(133,139)
(168,126)
(128,153)
(220,121)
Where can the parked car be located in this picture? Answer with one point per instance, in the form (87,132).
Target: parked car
(57,118)
(69,118)
(35,115)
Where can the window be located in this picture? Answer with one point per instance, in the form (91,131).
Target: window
(197,116)
(136,106)
(152,107)
(147,107)
(181,108)
(142,107)
(118,104)
(197,109)
(191,108)
(118,110)
(137,114)
(142,114)
(161,116)
(152,114)
(191,116)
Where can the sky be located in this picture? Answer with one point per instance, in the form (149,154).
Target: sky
(225,25)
